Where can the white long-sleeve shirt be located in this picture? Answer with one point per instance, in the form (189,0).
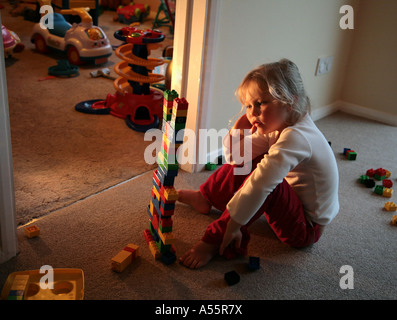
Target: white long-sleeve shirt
(302,156)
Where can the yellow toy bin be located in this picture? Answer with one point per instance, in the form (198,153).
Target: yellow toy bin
(68,284)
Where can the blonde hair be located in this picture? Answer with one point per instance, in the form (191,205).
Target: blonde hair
(283,81)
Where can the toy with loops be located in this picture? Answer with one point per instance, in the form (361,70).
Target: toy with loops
(159,235)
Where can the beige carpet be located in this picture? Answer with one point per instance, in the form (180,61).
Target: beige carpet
(87,234)
(59,154)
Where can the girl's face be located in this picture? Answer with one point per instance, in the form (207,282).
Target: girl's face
(265,113)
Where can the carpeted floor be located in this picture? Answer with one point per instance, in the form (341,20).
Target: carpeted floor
(88,233)
(60,155)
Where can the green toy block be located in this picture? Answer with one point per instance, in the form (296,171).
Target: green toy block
(210,166)
(363,178)
(351,155)
(170,95)
(379,190)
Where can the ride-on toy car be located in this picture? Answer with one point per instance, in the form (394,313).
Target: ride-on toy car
(11,42)
(82,42)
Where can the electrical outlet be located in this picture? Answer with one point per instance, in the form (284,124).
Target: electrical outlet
(324,65)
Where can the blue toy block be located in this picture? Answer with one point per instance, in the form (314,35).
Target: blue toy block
(168,257)
(254,263)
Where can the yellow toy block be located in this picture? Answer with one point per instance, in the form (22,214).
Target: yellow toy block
(179,113)
(388,174)
(390,206)
(394,221)
(170,194)
(166,237)
(125,257)
(156,193)
(154,250)
(387,192)
(32,231)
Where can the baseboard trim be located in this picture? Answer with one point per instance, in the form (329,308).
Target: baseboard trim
(368,113)
(324,111)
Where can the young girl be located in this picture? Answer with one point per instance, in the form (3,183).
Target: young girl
(293,179)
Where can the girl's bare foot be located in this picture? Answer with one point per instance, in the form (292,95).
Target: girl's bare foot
(195,199)
(199,255)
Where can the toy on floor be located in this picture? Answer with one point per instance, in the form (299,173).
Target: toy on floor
(134,12)
(254,263)
(390,206)
(68,284)
(32,231)
(232,278)
(135,101)
(104,72)
(11,42)
(350,154)
(394,220)
(63,68)
(125,257)
(82,42)
(161,208)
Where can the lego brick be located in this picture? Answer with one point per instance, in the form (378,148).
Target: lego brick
(179,112)
(148,236)
(345,150)
(168,257)
(167,238)
(370,173)
(387,192)
(379,190)
(210,166)
(121,260)
(168,193)
(254,263)
(232,278)
(181,104)
(154,250)
(32,231)
(170,95)
(390,206)
(394,220)
(351,155)
(369,183)
(387,183)
(388,174)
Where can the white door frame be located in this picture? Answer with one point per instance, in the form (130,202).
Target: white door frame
(8,235)
(192,57)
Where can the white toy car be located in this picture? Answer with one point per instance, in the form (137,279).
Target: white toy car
(82,42)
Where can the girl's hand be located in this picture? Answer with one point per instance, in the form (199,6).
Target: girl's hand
(242,123)
(232,233)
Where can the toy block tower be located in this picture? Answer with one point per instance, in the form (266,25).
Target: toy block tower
(161,208)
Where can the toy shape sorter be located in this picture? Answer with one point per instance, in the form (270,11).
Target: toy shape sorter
(161,208)
(135,100)
(68,284)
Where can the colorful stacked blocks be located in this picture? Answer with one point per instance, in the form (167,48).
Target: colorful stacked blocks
(350,154)
(159,235)
(125,257)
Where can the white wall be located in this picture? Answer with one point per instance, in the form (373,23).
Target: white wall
(249,33)
(371,74)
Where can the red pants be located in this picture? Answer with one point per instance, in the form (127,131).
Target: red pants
(282,209)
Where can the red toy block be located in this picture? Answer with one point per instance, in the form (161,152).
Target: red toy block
(181,104)
(387,183)
(370,173)
(148,236)
(380,172)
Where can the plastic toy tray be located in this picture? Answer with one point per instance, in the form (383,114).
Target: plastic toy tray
(68,285)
